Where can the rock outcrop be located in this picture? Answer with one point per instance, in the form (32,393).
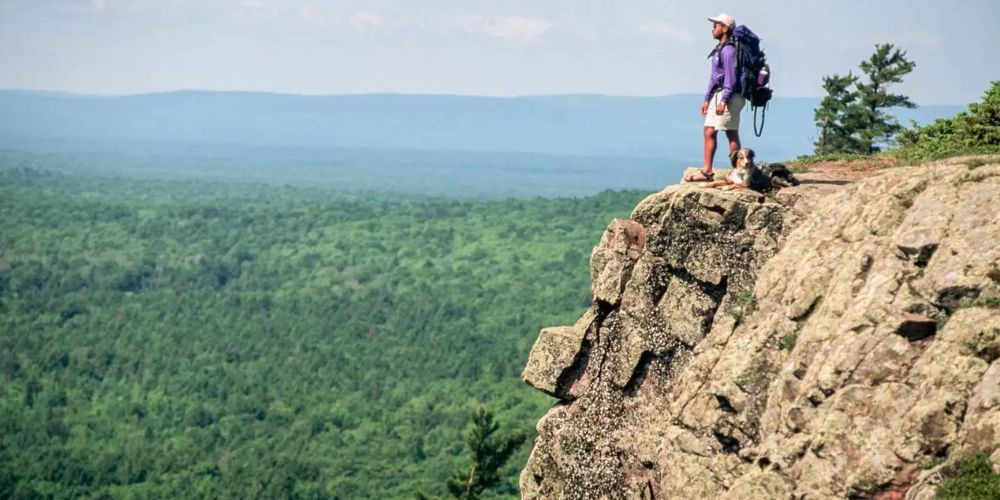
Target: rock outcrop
(788,346)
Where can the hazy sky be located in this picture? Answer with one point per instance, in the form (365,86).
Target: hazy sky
(481,47)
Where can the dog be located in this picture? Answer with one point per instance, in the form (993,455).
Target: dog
(746,174)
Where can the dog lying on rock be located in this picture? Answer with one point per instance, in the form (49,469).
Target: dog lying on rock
(746,174)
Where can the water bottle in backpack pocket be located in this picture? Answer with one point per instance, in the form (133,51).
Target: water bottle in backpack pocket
(764,76)
(760,93)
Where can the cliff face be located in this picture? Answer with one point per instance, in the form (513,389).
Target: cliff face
(801,345)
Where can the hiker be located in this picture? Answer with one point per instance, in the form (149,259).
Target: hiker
(723,98)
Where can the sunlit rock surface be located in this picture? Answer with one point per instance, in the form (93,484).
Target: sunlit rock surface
(816,343)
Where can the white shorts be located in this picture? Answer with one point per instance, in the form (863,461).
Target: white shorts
(730,119)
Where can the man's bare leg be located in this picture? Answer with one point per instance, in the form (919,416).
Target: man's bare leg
(734,141)
(710,145)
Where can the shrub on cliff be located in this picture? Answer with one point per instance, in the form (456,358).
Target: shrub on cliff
(976,131)
(971,478)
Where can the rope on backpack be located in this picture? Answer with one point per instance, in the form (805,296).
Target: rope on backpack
(763,114)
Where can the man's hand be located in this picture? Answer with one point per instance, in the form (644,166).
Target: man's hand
(704,108)
(720,108)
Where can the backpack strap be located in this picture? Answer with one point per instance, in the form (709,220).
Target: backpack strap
(714,51)
(718,48)
(739,66)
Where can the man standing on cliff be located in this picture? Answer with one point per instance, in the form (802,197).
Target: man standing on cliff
(723,99)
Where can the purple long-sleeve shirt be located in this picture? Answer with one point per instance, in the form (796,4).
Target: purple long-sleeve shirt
(723,73)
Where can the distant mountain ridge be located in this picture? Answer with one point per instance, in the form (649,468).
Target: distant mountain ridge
(589,125)
(436,144)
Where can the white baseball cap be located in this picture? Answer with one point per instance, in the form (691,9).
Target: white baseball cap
(723,18)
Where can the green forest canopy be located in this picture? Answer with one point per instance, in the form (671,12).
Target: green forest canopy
(165,339)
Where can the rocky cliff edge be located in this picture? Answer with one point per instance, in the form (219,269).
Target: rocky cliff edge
(818,343)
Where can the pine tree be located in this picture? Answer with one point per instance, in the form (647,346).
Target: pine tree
(489,454)
(837,115)
(853,120)
(886,66)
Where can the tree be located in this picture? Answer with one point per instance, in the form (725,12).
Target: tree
(489,454)
(855,120)
(886,66)
(837,115)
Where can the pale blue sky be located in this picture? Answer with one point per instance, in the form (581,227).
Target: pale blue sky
(478,47)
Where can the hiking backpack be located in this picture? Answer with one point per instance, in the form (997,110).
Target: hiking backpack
(754,73)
